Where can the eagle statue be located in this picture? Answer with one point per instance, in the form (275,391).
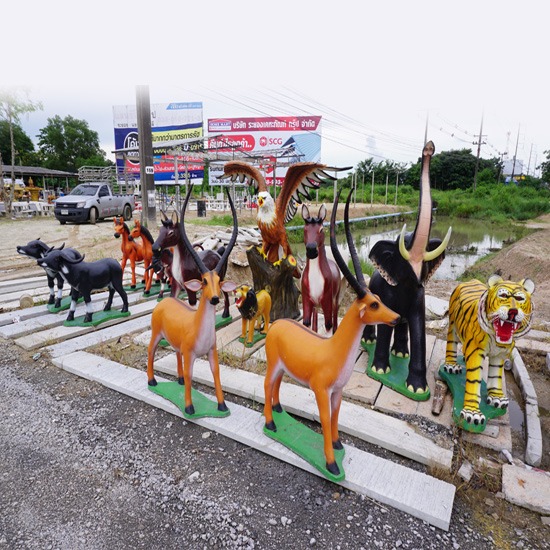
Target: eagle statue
(300,179)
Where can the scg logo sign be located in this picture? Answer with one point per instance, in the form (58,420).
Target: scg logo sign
(132,140)
(265,141)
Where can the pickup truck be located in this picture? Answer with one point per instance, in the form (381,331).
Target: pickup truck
(92,201)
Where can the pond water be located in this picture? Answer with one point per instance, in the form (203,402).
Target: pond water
(470,240)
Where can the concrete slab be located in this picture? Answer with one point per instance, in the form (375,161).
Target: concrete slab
(418,494)
(46,319)
(101,336)
(390,433)
(528,488)
(362,388)
(390,401)
(61,333)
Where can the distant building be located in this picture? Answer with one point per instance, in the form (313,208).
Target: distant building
(509,166)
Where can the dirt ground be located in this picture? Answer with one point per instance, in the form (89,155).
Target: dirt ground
(526,258)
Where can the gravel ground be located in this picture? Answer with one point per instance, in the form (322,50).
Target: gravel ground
(83,467)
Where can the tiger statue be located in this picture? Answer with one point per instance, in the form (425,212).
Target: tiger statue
(486,319)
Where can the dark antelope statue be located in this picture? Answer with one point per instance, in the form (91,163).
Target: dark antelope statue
(184,266)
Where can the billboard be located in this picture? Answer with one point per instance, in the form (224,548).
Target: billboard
(275,140)
(169,122)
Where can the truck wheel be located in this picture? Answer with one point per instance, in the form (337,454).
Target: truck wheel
(127,213)
(93,215)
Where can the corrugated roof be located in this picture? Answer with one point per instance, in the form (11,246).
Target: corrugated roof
(35,171)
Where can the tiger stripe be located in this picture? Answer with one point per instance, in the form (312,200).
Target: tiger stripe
(472,308)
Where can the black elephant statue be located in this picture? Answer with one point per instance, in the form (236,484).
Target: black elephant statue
(403,268)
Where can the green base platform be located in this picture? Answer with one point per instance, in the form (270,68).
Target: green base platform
(396,379)
(457,384)
(257,336)
(139,286)
(65,304)
(97,318)
(305,442)
(174,392)
(222,322)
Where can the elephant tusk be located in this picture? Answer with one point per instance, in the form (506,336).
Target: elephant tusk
(432,254)
(404,252)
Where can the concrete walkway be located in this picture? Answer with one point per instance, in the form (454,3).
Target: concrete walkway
(370,410)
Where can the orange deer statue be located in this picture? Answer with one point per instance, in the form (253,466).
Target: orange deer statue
(323,364)
(192,332)
(140,231)
(131,250)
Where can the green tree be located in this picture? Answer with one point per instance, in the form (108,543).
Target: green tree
(69,143)
(544,167)
(454,170)
(24,147)
(14,102)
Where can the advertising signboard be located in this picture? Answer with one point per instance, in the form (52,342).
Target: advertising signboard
(169,122)
(277,140)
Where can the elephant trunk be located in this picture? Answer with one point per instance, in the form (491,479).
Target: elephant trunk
(417,254)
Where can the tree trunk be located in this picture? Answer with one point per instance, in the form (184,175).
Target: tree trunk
(278,281)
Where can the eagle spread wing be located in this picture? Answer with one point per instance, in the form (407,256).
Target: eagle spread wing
(300,179)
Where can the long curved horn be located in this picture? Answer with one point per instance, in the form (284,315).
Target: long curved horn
(432,254)
(233,238)
(402,248)
(353,282)
(183,235)
(351,245)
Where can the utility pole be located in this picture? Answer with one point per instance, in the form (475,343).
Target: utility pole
(515,155)
(146,169)
(529,163)
(479,143)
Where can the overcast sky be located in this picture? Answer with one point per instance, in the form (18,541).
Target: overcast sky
(376,72)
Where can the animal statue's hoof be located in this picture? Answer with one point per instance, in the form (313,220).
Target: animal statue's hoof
(152,382)
(277,408)
(180,381)
(452,368)
(498,402)
(420,389)
(222,407)
(271,426)
(337,445)
(124,309)
(70,317)
(146,292)
(190,410)
(57,303)
(381,370)
(473,417)
(132,287)
(88,318)
(333,468)
(51,300)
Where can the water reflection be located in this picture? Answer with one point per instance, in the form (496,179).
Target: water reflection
(470,240)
